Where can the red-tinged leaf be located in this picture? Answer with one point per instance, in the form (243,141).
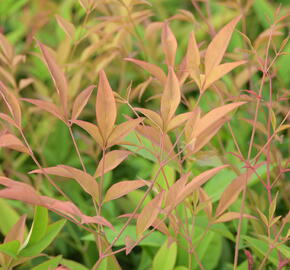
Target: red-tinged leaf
(193,59)
(156,138)
(178,120)
(149,214)
(10,141)
(11,102)
(57,75)
(66,26)
(97,220)
(190,124)
(205,199)
(8,119)
(6,47)
(151,115)
(233,190)
(206,136)
(111,161)
(216,49)
(197,181)
(229,216)
(156,71)
(106,111)
(129,243)
(23,192)
(174,191)
(87,182)
(123,188)
(17,231)
(25,82)
(46,106)
(59,171)
(92,129)
(219,71)
(123,130)
(213,116)
(170,98)
(81,101)
(169,45)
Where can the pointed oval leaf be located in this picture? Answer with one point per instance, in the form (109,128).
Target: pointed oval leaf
(12,142)
(66,26)
(111,160)
(229,216)
(92,129)
(106,111)
(156,71)
(218,46)
(81,101)
(57,75)
(123,130)
(123,188)
(171,97)
(11,102)
(46,106)
(169,44)
(149,214)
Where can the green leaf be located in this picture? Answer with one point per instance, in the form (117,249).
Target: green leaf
(262,248)
(10,248)
(265,12)
(8,217)
(165,257)
(73,265)
(39,225)
(180,268)
(35,248)
(48,265)
(153,240)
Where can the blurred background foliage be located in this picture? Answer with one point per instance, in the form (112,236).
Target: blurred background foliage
(100,37)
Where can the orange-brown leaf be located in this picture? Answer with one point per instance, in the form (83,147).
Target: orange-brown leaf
(169,44)
(123,130)
(11,102)
(197,181)
(123,188)
(151,115)
(219,71)
(229,216)
(216,49)
(92,129)
(17,231)
(81,101)
(66,26)
(111,160)
(46,106)
(170,98)
(57,75)
(106,111)
(149,214)
(156,71)
(232,191)
(10,141)
(178,120)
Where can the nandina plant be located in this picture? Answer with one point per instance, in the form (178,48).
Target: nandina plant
(207,145)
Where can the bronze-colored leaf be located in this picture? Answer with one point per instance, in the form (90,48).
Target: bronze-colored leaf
(81,101)
(149,214)
(57,75)
(46,106)
(170,98)
(169,45)
(111,160)
(156,71)
(123,130)
(123,188)
(11,102)
(66,26)
(10,141)
(216,49)
(106,111)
